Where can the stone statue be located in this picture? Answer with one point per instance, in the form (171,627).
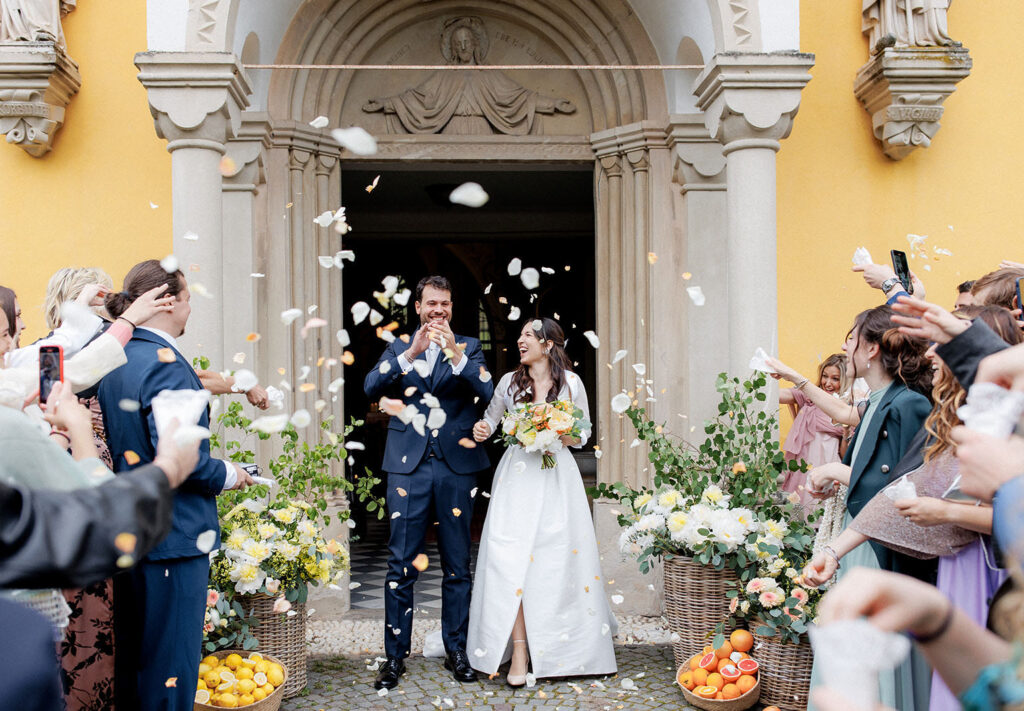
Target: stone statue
(34,20)
(466,102)
(905,23)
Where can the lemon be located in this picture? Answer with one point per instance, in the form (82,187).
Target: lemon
(228,686)
(261,666)
(260,678)
(258,694)
(249,663)
(245,686)
(211,678)
(267,689)
(233,660)
(246,699)
(204,667)
(210,661)
(255,656)
(243,673)
(228,701)
(227,675)
(275,676)
(201,685)
(203,696)
(214,699)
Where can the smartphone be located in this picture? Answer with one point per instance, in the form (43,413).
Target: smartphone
(902,269)
(51,369)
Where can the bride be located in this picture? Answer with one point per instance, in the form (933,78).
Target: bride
(538,594)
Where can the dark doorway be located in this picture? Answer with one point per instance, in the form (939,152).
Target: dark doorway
(406,227)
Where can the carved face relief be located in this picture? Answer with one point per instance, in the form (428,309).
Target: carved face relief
(464,46)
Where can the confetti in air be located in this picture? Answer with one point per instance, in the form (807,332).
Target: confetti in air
(470,195)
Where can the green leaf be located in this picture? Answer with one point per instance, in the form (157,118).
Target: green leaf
(718,641)
(765,631)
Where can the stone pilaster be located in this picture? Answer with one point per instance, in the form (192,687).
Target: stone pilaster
(37,81)
(196,99)
(903,88)
(749,103)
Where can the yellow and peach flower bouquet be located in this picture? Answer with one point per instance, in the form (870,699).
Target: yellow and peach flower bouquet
(539,427)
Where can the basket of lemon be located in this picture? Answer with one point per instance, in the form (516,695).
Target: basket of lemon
(228,680)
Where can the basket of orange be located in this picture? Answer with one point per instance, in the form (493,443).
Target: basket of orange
(229,680)
(723,679)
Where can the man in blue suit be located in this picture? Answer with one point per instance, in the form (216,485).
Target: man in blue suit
(431,474)
(160,604)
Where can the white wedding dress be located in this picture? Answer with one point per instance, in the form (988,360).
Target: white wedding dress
(539,548)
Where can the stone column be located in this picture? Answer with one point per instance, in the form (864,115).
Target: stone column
(749,103)
(196,99)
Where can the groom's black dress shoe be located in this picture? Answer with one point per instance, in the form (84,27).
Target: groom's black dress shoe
(390,671)
(458,664)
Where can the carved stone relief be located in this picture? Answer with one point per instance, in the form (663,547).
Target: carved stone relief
(37,77)
(465,102)
(914,66)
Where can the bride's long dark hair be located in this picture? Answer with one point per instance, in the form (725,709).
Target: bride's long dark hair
(558,363)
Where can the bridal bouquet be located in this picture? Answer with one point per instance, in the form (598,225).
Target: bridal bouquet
(539,427)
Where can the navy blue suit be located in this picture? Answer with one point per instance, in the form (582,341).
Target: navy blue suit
(431,478)
(160,604)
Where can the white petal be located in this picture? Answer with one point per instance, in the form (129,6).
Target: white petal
(592,337)
(470,195)
(634,444)
(640,368)
(169,263)
(402,297)
(301,418)
(419,421)
(360,310)
(335,385)
(385,367)
(190,236)
(421,368)
(343,255)
(547,270)
(487,289)
(257,275)
(245,380)
(356,140)
(343,338)
(530,278)
(205,541)
(375,317)
(513,315)
(515,266)
(324,219)
(620,403)
(696,295)
(437,418)
(325,262)
(289,315)
(537,324)
(304,373)
(408,413)
(617,599)
(270,424)
(619,355)
(319,122)
(128,405)
(355,446)
(390,284)
(430,401)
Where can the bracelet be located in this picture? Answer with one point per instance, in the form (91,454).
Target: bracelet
(62,434)
(122,318)
(801,384)
(943,628)
(830,551)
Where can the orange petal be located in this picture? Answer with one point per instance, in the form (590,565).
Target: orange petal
(132,458)
(166,355)
(252,337)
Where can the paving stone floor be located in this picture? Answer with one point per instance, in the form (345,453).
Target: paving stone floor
(644,681)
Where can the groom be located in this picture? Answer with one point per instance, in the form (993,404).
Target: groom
(430,472)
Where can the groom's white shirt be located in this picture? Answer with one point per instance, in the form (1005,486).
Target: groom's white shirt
(433,351)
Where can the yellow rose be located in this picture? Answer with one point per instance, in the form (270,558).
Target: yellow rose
(527,438)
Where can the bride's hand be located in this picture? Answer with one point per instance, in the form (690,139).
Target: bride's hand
(481,431)
(569,441)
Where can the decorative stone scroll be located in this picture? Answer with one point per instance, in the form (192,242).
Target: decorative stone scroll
(37,81)
(467,102)
(914,66)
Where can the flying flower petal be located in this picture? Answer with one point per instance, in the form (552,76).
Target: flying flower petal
(319,122)
(592,337)
(301,418)
(343,338)
(515,267)
(325,262)
(165,355)
(371,186)
(355,139)
(360,310)
(289,315)
(312,323)
(169,264)
(619,355)
(696,295)
(640,368)
(513,315)
(470,195)
(530,278)
(269,424)
(205,540)
(620,403)
(375,317)
(421,562)
(324,219)
(402,297)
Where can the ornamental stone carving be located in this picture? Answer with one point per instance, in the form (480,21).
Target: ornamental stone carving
(914,66)
(467,102)
(34,20)
(37,81)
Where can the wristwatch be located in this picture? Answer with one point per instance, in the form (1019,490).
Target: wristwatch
(889,283)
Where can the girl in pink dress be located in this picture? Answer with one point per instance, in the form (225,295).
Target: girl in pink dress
(814,437)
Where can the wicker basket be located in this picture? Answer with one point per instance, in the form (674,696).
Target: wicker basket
(695,603)
(271,703)
(744,702)
(282,636)
(785,670)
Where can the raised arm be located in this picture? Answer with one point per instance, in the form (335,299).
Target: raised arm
(839,410)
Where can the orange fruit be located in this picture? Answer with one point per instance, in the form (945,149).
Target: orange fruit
(723,663)
(719,697)
(706,650)
(709,662)
(731,691)
(706,692)
(724,651)
(730,673)
(686,680)
(700,677)
(741,640)
(747,666)
(745,683)
(716,681)
(771,708)
(693,661)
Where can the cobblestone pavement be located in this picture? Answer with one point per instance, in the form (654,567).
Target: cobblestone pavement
(644,681)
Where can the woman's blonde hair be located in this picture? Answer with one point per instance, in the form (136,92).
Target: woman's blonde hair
(66,284)
(836,360)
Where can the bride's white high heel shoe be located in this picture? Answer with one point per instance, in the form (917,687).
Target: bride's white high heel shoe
(517,680)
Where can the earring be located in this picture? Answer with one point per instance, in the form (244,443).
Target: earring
(868,366)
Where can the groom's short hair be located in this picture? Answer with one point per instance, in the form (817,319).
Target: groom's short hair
(438,282)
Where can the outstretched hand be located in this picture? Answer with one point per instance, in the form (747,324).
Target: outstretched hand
(930,322)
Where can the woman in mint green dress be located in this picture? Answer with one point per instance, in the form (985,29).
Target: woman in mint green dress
(891,363)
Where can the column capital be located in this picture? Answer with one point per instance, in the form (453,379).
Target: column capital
(749,100)
(698,161)
(37,81)
(246,151)
(196,98)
